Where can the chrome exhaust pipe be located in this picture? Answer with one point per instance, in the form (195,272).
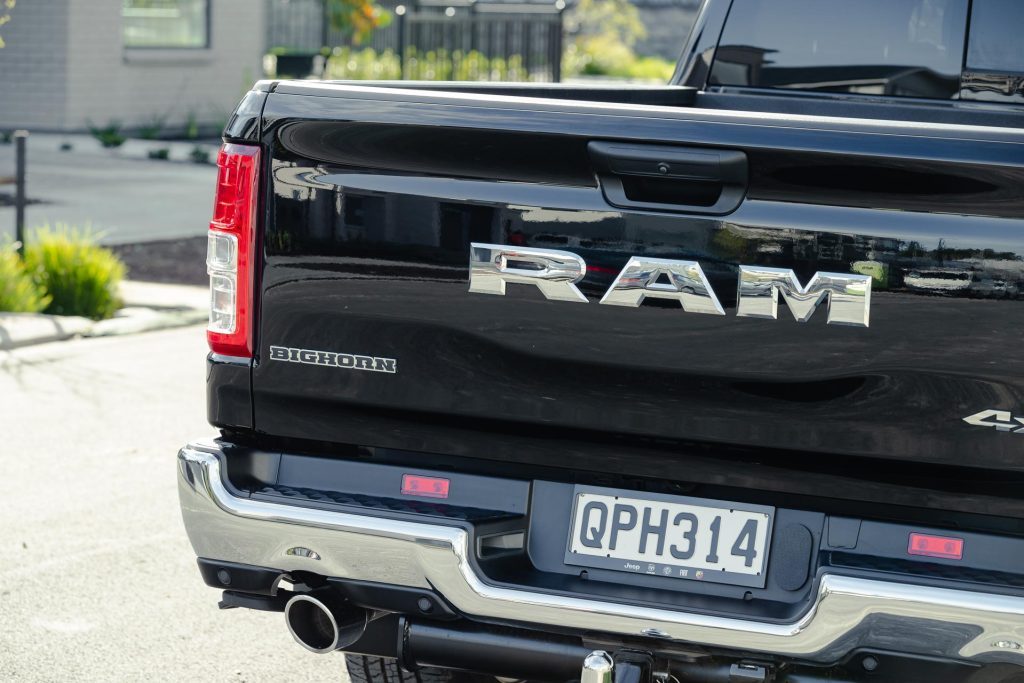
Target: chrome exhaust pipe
(322,622)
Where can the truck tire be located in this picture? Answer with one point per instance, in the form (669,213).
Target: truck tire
(362,669)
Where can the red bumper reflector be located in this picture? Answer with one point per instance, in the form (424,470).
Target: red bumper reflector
(426,487)
(936,546)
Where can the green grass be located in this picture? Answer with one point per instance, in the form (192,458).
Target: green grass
(19,292)
(80,277)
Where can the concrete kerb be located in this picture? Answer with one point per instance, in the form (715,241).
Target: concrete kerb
(148,307)
(25,329)
(133,148)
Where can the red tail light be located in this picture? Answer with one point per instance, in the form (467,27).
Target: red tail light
(230,251)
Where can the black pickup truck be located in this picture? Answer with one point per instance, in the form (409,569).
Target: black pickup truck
(715,381)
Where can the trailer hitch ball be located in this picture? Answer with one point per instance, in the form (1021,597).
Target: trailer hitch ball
(597,668)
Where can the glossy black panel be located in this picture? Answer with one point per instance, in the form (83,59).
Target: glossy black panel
(366,253)
(244,124)
(932,185)
(625,93)
(442,151)
(908,48)
(228,392)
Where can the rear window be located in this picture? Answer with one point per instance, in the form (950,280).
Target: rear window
(996,40)
(902,48)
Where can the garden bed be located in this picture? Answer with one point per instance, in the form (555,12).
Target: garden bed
(179,261)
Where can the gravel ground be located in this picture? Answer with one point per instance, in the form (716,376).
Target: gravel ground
(7,199)
(180,261)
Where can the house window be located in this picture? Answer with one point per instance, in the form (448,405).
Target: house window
(166,23)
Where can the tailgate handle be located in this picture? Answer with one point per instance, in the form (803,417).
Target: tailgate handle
(670,178)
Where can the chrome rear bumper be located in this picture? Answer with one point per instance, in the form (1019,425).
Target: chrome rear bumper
(847,613)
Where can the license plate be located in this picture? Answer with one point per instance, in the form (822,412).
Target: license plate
(670,536)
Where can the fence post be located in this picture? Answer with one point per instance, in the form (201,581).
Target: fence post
(474,25)
(325,25)
(400,13)
(527,27)
(559,28)
(20,140)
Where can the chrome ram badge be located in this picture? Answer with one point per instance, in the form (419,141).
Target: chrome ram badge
(555,273)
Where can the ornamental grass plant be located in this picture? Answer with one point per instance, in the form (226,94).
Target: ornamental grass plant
(19,291)
(79,276)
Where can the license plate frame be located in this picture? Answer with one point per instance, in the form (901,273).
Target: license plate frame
(666,566)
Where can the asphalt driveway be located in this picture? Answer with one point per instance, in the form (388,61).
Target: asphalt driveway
(123,197)
(97,578)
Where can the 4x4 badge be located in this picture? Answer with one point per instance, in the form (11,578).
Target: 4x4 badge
(1002,420)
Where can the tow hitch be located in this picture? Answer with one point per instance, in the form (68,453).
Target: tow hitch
(636,667)
(523,655)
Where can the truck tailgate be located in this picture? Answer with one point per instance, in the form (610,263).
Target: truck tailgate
(370,335)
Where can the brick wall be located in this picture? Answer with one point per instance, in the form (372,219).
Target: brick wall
(70,67)
(33,66)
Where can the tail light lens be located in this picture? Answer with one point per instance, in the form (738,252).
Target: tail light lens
(230,251)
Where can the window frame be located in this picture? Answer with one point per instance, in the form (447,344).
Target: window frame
(701,50)
(709,56)
(980,85)
(206,46)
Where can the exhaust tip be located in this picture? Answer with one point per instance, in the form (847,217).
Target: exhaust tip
(311,624)
(322,624)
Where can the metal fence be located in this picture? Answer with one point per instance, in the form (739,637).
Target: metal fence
(460,40)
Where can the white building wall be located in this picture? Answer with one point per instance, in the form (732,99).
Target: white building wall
(160,83)
(70,67)
(33,65)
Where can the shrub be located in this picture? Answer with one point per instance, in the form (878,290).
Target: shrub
(153,127)
(346,63)
(199,155)
(19,292)
(366,64)
(604,34)
(192,126)
(162,154)
(80,277)
(592,55)
(651,69)
(604,56)
(108,135)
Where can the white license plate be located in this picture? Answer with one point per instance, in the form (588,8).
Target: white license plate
(670,536)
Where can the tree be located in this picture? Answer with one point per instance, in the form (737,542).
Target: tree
(604,33)
(356,18)
(5,17)
(614,20)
